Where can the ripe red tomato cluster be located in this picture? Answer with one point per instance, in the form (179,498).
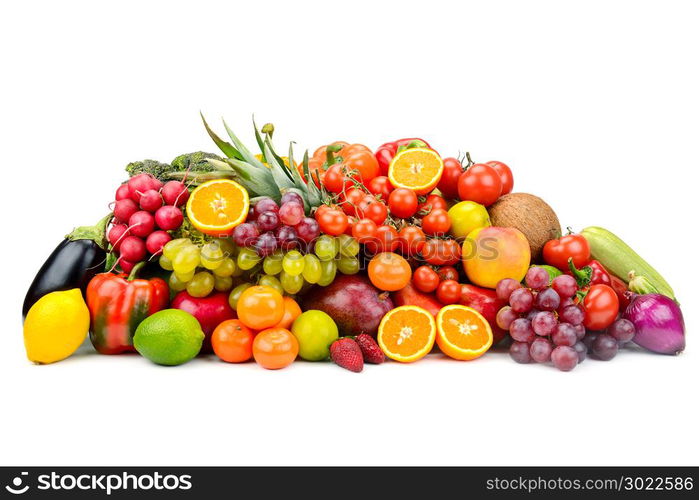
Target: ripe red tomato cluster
(484,183)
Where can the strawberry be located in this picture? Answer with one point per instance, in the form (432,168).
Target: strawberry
(370,349)
(345,352)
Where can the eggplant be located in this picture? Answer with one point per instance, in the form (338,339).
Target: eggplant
(74,262)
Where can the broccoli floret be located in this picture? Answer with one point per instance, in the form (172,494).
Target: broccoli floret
(156,168)
(196,160)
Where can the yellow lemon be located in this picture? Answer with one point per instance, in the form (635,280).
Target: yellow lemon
(466,216)
(56,325)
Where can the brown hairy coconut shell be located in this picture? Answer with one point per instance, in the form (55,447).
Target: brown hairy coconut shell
(531,215)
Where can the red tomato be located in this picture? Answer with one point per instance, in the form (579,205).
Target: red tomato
(364,230)
(351,221)
(480,183)
(448,273)
(449,182)
(351,200)
(575,246)
(386,240)
(402,202)
(332,221)
(373,209)
(431,202)
(411,240)
(449,292)
(436,223)
(335,180)
(601,307)
(381,187)
(425,279)
(441,252)
(505,174)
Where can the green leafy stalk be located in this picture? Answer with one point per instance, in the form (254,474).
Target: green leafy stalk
(224,146)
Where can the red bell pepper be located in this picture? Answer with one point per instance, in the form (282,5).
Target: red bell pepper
(117,304)
(385,153)
(593,273)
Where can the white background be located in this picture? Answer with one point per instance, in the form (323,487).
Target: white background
(594,105)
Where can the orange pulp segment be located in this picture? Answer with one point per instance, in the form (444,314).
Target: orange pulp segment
(418,169)
(217,206)
(407,333)
(462,332)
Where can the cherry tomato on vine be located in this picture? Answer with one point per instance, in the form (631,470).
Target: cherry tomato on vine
(601,307)
(380,186)
(425,279)
(441,252)
(351,221)
(364,230)
(448,273)
(449,292)
(373,209)
(437,222)
(449,182)
(505,174)
(411,239)
(480,183)
(332,221)
(386,240)
(402,203)
(335,180)
(575,246)
(350,202)
(432,202)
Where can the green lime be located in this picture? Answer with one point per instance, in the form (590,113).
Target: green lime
(315,331)
(170,337)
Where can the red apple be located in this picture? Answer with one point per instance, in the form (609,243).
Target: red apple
(210,311)
(486,302)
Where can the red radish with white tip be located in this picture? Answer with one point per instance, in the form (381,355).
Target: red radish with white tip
(175,193)
(156,241)
(151,200)
(139,184)
(156,184)
(124,209)
(116,235)
(169,218)
(122,192)
(141,223)
(126,265)
(132,249)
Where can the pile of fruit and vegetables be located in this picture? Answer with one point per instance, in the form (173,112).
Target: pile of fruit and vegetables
(349,255)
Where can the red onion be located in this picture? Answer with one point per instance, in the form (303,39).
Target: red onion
(659,323)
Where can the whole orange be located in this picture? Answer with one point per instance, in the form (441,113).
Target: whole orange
(291,312)
(275,348)
(232,341)
(260,307)
(389,271)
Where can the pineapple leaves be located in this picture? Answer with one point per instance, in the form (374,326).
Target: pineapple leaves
(224,146)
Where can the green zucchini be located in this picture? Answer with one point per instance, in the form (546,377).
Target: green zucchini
(620,259)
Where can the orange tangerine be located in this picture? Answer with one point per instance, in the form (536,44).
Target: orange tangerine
(407,333)
(217,206)
(462,332)
(291,312)
(418,169)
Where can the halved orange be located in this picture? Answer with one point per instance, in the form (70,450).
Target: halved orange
(418,169)
(407,333)
(217,206)
(462,332)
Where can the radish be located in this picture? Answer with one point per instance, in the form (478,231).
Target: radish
(122,192)
(126,265)
(169,217)
(124,209)
(156,184)
(132,249)
(139,184)
(115,235)
(175,193)
(151,200)
(156,240)
(141,223)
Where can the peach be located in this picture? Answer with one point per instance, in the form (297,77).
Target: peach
(494,253)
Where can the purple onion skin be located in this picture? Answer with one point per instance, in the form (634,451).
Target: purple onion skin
(659,323)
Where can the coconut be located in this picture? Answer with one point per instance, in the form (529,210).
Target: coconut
(531,215)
